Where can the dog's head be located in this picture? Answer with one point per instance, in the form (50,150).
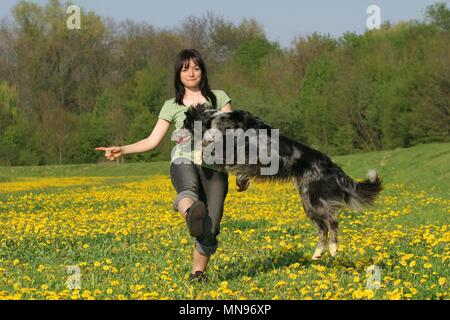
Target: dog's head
(197,113)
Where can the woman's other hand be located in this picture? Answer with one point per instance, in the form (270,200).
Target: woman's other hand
(181,136)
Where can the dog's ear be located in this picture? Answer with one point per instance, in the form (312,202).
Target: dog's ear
(190,114)
(199,109)
(195,112)
(189,119)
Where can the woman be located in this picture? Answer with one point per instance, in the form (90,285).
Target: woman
(201,190)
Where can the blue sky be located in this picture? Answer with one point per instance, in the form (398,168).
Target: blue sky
(282,19)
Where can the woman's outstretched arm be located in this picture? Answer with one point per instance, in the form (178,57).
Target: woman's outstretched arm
(147,144)
(151,142)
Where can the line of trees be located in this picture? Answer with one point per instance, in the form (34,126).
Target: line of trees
(63,92)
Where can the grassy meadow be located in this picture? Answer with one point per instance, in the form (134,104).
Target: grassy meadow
(108,231)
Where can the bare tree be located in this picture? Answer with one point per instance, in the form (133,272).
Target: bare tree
(8,54)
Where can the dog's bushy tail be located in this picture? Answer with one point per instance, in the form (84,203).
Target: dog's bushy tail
(363,194)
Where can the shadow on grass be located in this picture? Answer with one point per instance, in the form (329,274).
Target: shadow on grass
(279,260)
(256,266)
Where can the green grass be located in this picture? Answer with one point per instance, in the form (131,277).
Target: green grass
(50,225)
(111,169)
(425,166)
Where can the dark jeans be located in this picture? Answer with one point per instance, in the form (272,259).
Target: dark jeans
(208,185)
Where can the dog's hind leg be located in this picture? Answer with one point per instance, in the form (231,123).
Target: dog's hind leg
(316,217)
(323,232)
(318,210)
(333,227)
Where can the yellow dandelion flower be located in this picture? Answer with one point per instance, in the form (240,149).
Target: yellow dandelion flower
(369,294)
(114,282)
(358,294)
(280,284)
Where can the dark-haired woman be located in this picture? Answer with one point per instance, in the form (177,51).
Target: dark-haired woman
(201,190)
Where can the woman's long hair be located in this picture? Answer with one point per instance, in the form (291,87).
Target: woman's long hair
(181,60)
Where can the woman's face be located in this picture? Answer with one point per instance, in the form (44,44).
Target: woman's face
(191,75)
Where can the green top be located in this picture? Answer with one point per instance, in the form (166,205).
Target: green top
(174,113)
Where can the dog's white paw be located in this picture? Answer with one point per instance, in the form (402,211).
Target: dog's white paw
(317,254)
(333,247)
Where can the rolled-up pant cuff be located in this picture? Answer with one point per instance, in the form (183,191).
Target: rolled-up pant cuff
(206,250)
(184,194)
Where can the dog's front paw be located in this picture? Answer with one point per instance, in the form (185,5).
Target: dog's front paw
(317,254)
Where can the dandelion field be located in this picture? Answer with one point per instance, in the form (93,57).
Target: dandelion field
(114,224)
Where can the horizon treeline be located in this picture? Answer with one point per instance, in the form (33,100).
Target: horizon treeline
(64,92)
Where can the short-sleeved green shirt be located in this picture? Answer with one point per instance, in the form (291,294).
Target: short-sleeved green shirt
(174,113)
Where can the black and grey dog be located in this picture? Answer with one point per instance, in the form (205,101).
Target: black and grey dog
(323,186)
